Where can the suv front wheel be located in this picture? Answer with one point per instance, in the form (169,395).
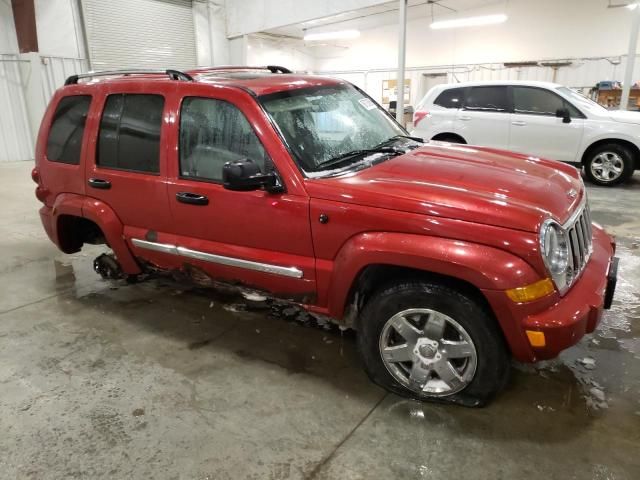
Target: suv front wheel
(609,164)
(430,342)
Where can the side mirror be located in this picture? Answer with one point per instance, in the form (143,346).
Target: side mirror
(564,114)
(244,175)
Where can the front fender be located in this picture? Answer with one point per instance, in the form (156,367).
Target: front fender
(486,268)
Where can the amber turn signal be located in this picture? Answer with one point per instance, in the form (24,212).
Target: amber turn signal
(536,339)
(531,292)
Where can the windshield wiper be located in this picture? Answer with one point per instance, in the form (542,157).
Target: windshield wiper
(332,162)
(409,137)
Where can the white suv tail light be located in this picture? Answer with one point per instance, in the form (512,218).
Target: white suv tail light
(418,116)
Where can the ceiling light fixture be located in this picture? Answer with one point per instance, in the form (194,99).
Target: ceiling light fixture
(631,6)
(469,22)
(338,35)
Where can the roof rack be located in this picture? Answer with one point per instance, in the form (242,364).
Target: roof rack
(228,68)
(173,75)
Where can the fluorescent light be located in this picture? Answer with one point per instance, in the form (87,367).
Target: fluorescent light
(469,22)
(632,6)
(338,35)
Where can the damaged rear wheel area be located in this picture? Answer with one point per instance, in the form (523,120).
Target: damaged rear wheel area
(107,267)
(430,342)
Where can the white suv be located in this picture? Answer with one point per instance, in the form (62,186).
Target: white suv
(535,118)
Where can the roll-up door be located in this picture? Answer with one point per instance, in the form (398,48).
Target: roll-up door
(139,34)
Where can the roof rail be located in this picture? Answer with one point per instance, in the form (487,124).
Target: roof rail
(227,68)
(173,75)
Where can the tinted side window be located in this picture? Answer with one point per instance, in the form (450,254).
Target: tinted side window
(451,98)
(490,99)
(212,133)
(67,129)
(129,136)
(535,101)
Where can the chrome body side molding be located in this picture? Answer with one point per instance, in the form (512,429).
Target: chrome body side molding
(292,272)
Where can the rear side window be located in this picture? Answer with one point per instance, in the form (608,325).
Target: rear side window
(452,98)
(129,137)
(67,129)
(489,99)
(212,133)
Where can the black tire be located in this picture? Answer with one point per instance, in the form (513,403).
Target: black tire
(615,149)
(493,360)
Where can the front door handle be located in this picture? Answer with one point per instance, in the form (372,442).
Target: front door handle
(465,118)
(192,198)
(99,183)
(519,123)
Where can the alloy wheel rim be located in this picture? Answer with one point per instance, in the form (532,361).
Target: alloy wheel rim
(428,352)
(607,166)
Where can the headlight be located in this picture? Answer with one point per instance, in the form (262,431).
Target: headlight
(555,252)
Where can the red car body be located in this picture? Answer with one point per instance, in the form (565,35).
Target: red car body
(467,213)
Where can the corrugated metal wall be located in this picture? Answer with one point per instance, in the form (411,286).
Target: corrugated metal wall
(57,69)
(16,142)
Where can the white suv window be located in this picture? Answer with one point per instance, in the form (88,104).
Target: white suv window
(536,101)
(487,99)
(451,98)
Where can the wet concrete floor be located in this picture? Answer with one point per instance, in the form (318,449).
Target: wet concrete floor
(155,380)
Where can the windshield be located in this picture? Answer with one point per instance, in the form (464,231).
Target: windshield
(326,125)
(581,101)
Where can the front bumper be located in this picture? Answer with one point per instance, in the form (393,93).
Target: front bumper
(565,320)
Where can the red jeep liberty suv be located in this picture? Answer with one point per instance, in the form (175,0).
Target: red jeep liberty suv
(446,259)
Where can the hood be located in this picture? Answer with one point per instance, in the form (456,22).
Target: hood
(475,184)
(623,116)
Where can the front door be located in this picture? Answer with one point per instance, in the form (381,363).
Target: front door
(535,128)
(253,238)
(484,119)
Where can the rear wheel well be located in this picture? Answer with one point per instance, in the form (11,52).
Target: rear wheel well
(449,137)
(73,232)
(616,141)
(373,277)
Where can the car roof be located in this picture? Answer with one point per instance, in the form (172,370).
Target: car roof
(525,83)
(257,80)
(265,83)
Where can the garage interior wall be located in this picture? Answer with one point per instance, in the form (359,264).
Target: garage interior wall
(594,41)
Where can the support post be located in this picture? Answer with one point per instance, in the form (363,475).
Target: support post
(402,47)
(631,58)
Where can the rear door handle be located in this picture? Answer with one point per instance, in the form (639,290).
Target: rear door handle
(519,123)
(99,183)
(192,198)
(465,118)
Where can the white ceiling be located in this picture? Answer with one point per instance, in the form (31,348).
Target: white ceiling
(384,14)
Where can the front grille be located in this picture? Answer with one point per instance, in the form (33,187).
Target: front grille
(579,234)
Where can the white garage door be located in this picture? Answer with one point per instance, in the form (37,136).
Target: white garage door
(140,34)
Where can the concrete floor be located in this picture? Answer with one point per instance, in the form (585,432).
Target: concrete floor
(103,380)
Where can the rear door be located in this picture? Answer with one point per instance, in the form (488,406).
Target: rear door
(254,238)
(125,165)
(535,128)
(484,119)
